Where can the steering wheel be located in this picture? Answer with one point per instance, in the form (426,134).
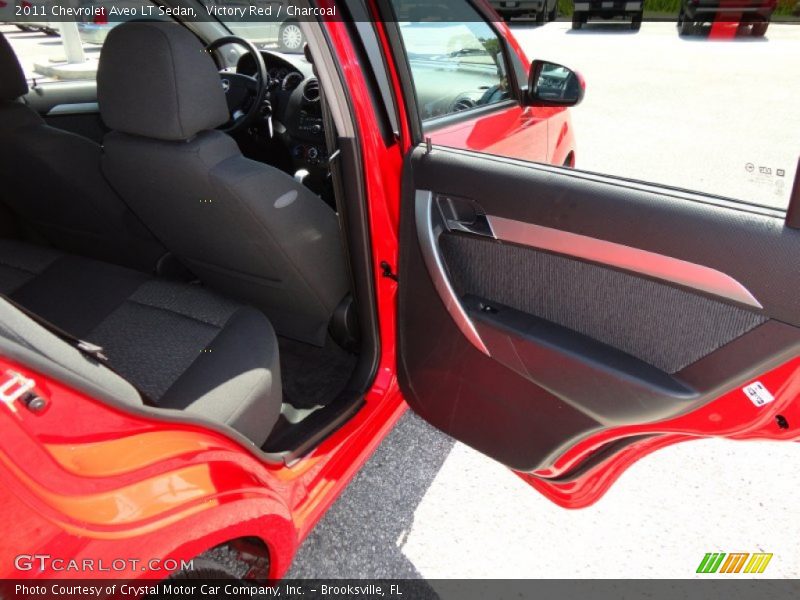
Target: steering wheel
(244,93)
(495,93)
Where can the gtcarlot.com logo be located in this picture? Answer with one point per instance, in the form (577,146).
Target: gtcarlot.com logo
(46,562)
(735,562)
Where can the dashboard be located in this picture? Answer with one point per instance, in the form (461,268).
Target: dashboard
(293,100)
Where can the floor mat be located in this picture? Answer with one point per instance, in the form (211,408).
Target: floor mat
(313,376)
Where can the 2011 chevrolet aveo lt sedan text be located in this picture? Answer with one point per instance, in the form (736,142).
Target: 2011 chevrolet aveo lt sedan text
(215,311)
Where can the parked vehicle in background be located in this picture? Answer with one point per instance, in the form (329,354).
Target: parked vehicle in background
(93,30)
(756,13)
(604,9)
(543,10)
(286,33)
(37,8)
(43,26)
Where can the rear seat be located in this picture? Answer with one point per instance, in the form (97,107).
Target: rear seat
(183,346)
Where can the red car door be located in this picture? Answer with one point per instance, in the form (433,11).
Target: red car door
(567,323)
(464,67)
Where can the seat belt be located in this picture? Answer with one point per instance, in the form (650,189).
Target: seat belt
(89,350)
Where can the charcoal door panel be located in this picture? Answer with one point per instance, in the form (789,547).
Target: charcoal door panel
(557,345)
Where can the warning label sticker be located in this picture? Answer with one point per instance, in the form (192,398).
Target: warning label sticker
(758,394)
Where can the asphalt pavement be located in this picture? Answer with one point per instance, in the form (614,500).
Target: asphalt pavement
(424,506)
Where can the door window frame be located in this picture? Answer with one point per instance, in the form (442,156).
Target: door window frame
(419,127)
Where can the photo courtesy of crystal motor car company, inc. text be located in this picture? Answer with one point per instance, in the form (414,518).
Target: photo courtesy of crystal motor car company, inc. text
(282,283)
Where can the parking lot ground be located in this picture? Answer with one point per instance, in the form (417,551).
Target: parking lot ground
(426,507)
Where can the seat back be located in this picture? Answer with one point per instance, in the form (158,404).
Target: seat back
(51,179)
(244,228)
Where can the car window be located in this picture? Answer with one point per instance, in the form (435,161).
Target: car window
(456,65)
(61,50)
(266,23)
(697,101)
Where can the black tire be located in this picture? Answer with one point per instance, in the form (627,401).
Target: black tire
(636,21)
(48,31)
(577,20)
(290,37)
(685,26)
(541,16)
(218,564)
(203,573)
(759,28)
(553,14)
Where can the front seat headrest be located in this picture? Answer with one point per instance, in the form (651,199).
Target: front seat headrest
(156,80)
(12,78)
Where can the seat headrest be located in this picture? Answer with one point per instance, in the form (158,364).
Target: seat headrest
(12,78)
(156,80)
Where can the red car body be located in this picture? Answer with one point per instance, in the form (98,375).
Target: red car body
(113,484)
(542,134)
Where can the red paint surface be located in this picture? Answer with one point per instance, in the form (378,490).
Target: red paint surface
(732,415)
(67,491)
(537,134)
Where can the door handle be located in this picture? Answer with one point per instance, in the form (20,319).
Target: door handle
(464,216)
(478,226)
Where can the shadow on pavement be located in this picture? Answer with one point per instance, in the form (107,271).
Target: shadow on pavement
(613,28)
(363,534)
(741,35)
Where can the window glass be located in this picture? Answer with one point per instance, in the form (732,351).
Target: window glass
(673,96)
(50,50)
(273,29)
(456,66)
(711,111)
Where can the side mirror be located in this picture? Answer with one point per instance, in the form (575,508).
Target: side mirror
(551,84)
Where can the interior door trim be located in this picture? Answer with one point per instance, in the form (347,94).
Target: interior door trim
(430,226)
(431,223)
(628,258)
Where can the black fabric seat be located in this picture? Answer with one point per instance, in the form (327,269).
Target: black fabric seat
(243,227)
(51,179)
(185,347)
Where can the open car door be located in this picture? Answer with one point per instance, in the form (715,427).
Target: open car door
(566,323)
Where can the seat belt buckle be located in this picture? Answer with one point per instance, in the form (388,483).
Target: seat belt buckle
(92,350)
